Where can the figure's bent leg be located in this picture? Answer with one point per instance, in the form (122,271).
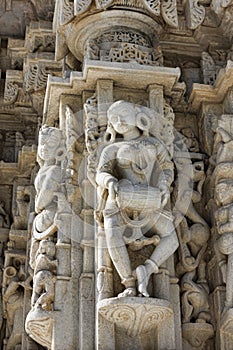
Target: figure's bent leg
(167,246)
(114,230)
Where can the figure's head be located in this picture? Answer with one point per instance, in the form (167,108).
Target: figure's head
(224,192)
(50,144)
(47,247)
(125,116)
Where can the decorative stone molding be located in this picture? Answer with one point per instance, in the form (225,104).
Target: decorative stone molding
(135,316)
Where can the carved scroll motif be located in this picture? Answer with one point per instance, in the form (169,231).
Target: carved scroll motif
(36,75)
(169,12)
(135,317)
(102,4)
(11,92)
(195,13)
(153,6)
(80,6)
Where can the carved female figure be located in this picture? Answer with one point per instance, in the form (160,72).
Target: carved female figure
(135,173)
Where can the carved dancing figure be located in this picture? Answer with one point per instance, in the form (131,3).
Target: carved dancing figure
(135,173)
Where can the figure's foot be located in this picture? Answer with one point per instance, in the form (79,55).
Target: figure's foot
(128,292)
(144,241)
(143,280)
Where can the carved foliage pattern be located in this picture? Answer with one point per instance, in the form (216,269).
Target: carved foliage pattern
(81,6)
(169,12)
(136,319)
(153,6)
(11,92)
(67,11)
(195,13)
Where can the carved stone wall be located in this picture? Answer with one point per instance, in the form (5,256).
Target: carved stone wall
(116,178)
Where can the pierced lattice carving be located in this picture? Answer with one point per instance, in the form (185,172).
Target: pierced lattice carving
(153,6)
(169,12)
(67,12)
(80,6)
(195,13)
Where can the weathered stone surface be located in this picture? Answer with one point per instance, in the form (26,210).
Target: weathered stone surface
(117,232)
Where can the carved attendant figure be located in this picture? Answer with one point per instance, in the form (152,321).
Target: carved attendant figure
(48,186)
(135,173)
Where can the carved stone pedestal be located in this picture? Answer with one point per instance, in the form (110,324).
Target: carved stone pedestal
(196,335)
(39,326)
(135,323)
(226,330)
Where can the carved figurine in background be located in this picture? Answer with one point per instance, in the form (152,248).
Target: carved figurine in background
(44,278)
(224,247)
(49,194)
(13,296)
(224,199)
(22,208)
(192,231)
(4,217)
(49,202)
(135,173)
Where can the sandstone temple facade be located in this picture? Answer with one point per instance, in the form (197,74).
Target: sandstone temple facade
(116,174)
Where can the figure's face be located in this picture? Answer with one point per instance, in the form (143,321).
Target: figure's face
(223,193)
(122,119)
(47,146)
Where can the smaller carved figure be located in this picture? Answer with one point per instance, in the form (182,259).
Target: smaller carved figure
(4,217)
(13,295)
(195,299)
(44,278)
(48,181)
(22,207)
(224,249)
(190,140)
